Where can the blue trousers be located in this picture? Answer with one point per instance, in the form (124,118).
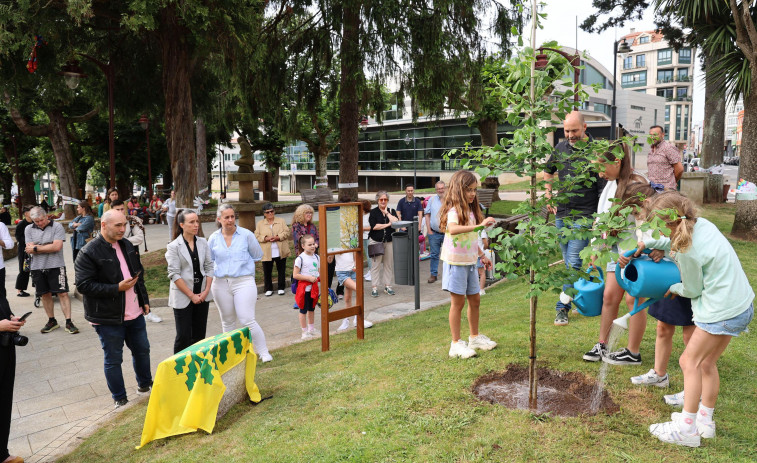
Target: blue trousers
(112,339)
(435,248)
(570,254)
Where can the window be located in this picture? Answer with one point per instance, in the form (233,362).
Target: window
(682,94)
(666,93)
(678,122)
(665,56)
(683,74)
(644,39)
(638,108)
(640,61)
(634,79)
(396,108)
(686,123)
(684,56)
(667,115)
(628,62)
(602,108)
(665,76)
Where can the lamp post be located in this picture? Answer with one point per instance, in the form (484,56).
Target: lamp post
(72,74)
(623,49)
(144,121)
(574,60)
(415,167)
(223,161)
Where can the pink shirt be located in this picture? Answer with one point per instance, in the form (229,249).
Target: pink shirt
(660,164)
(132,304)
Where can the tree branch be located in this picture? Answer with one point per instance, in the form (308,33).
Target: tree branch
(23,125)
(742,35)
(84,117)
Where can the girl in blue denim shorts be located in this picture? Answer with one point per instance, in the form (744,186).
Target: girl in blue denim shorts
(722,303)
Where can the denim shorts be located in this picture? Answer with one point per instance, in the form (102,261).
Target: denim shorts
(460,279)
(732,326)
(343,276)
(479,264)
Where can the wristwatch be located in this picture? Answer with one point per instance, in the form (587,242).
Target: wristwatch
(35,249)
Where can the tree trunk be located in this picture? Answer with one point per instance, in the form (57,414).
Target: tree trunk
(488,130)
(745,220)
(714,131)
(349,113)
(178,111)
(274,195)
(66,177)
(202,157)
(321,175)
(7,177)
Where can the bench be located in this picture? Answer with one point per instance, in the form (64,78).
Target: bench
(316,197)
(486,197)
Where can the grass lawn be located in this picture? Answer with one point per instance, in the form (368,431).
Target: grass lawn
(396,396)
(503,207)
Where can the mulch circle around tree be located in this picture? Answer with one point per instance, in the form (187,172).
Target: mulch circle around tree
(559,393)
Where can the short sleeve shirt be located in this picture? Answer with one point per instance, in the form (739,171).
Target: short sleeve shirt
(39,236)
(460,249)
(308,265)
(660,164)
(409,209)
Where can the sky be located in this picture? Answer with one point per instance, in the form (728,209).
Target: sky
(560,25)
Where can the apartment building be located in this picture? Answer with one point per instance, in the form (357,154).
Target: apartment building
(654,67)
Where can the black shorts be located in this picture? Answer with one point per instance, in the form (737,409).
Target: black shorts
(50,280)
(675,312)
(309,306)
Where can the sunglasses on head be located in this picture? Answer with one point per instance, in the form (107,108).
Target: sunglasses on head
(270,211)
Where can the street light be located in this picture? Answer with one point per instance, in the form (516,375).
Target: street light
(415,169)
(575,60)
(144,121)
(72,74)
(622,49)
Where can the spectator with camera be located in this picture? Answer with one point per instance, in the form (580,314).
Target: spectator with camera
(9,339)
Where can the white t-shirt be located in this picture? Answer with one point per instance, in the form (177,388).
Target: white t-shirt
(274,247)
(366,226)
(308,265)
(345,262)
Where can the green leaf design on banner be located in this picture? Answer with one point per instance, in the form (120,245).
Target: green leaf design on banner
(180,364)
(223,351)
(236,338)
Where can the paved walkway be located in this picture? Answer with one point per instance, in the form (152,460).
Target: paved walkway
(61,395)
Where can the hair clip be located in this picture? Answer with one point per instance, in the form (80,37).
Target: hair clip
(682,217)
(657,187)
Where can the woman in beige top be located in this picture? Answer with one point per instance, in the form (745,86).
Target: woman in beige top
(273,235)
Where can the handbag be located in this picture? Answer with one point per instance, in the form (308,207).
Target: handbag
(376,249)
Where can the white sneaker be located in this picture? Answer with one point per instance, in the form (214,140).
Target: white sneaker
(366,323)
(706,430)
(482,292)
(460,349)
(345,325)
(152,317)
(314,334)
(651,378)
(675,400)
(281,292)
(367,277)
(670,433)
(269,293)
(481,342)
(306,335)
(265,358)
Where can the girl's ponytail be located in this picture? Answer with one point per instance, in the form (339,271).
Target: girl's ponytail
(674,208)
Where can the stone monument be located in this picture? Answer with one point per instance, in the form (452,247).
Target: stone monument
(246,207)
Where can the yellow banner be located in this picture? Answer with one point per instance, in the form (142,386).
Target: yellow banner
(188,386)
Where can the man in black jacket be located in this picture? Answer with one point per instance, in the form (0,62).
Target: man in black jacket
(109,276)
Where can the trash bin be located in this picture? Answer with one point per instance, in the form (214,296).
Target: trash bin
(402,249)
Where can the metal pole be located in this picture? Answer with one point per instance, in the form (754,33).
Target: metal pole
(416,264)
(223,161)
(149,163)
(613,109)
(415,166)
(111,126)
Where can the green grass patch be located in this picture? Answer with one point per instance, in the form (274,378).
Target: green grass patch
(503,207)
(397,397)
(517,186)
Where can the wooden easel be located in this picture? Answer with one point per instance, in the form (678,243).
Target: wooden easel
(358,309)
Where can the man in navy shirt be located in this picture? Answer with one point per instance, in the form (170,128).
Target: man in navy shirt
(410,206)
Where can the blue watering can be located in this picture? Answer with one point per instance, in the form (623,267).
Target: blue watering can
(643,277)
(588,301)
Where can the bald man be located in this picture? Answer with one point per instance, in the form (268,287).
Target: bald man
(109,276)
(583,201)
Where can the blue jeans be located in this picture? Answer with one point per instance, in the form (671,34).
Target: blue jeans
(112,338)
(570,254)
(435,247)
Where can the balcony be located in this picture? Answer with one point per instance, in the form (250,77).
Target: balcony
(678,98)
(668,80)
(663,62)
(638,83)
